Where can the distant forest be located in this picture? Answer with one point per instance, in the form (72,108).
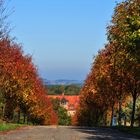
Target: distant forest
(73,89)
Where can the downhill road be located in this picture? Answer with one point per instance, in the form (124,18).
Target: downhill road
(65,133)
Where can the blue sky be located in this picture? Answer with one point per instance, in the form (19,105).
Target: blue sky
(61,35)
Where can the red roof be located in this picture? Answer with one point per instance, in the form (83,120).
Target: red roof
(73,101)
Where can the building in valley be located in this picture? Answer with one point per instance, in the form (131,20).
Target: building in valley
(70,103)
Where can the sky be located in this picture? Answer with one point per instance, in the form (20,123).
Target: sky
(62,36)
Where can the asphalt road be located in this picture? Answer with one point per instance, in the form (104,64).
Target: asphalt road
(65,133)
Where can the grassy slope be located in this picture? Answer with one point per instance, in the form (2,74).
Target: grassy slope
(9,126)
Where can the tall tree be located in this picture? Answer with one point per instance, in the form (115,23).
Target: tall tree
(125,30)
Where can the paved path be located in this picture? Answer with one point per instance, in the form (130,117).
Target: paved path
(65,133)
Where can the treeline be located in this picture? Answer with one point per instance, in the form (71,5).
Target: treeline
(63,89)
(114,79)
(21,89)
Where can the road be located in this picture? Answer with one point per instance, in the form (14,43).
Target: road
(65,133)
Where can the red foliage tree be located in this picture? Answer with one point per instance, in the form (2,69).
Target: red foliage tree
(21,86)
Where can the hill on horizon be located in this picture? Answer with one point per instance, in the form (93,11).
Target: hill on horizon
(62,82)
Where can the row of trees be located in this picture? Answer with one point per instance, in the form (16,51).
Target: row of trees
(21,89)
(115,73)
(20,85)
(72,89)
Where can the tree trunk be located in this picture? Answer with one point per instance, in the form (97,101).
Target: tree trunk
(112,114)
(90,122)
(8,110)
(104,123)
(2,109)
(133,110)
(97,119)
(120,112)
(24,118)
(139,121)
(28,119)
(18,119)
(124,120)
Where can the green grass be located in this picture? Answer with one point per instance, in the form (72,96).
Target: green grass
(9,126)
(134,130)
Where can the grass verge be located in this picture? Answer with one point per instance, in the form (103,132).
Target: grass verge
(9,126)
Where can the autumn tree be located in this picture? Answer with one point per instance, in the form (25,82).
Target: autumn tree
(21,86)
(115,71)
(95,96)
(125,31)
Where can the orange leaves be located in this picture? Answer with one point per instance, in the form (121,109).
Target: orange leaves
(115,73)
(20,82)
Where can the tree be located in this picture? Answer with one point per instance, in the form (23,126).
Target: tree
(63,118)
(124,30)
(115,73)
(20,85)
(5,12)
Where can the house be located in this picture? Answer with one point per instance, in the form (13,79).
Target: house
(70,103)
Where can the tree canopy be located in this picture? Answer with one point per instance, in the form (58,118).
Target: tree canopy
(115,73)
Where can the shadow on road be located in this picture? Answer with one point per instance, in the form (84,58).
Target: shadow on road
(104,134)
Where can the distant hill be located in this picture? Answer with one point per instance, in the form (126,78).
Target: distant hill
(62,82)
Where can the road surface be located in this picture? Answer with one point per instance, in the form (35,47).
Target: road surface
(65,133)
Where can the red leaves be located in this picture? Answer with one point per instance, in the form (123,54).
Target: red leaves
(20,82)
